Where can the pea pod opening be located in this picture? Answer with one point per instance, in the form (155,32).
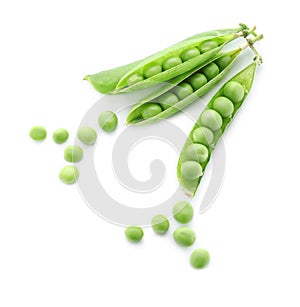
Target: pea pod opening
(110,81)
(211,125)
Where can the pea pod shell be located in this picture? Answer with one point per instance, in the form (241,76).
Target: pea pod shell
(186,101)
(106,81)
(245,78)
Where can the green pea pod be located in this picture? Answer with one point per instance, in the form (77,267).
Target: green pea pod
(210,126)
(135,116)
(110,81)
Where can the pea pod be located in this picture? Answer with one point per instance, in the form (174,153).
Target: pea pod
(136,117)
(115,80)
(210,126)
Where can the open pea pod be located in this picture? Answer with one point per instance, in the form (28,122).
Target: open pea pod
(110,81)
(210,126)
(182,90)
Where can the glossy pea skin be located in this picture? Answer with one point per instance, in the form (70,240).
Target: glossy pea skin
(203,136)
(149,110)
(211,119)
(197,80)
(108,121)
(87,135)
(208,45)
(60,136)
(189,54)
(197,152)
(183,90)
(134,233)
(160,224)
(191,170)
(210,71)
(38,133)
(73,153)
(69,174)
(223,106)
(199,258)
(223,61)
(135,78)
(167,100)
(234,91)
(184,236)
(152,70)
(183,212)
(171,62)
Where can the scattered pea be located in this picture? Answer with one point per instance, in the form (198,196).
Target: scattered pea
(73,153)
(199,258)
(149,110)
(171,62)
(87,135)
(208,45)
(60,135)
(183,212)
(108,121)
(184,236)
(223,61)
(203,135)
(167,100)
(152,70)
(38,133)
(135,78)
(210,71)
(189,54)
(197,152)
(191,170)
(160,224)
(183,90)
(223,106)
(211,119)
(197,80)
(234,91)
(69,174)
(134,233)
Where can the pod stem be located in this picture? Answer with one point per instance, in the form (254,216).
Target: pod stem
(246,31)
(251,41)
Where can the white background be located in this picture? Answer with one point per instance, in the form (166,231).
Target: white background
(54,251)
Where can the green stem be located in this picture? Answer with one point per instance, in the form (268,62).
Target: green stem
(251,41)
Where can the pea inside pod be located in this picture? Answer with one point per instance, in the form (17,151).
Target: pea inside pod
(210,126)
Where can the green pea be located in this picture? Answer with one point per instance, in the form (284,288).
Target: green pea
(183,90)
(87,135)
(73,153)
(184,236)
(211,119)
(197,152)
(191,170)
(183,212)
(223,61)
(234,91)
(199,258)
(38,133)
(60,135)
(69,174)
(167,100)
(149,110)
(171,62)
(189,54)
(152,70)
(203,135)
(108,121)
(210,71)
(224,106)
(135,78)
(160,224)
(134,233)
(208,45)
(197,80)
